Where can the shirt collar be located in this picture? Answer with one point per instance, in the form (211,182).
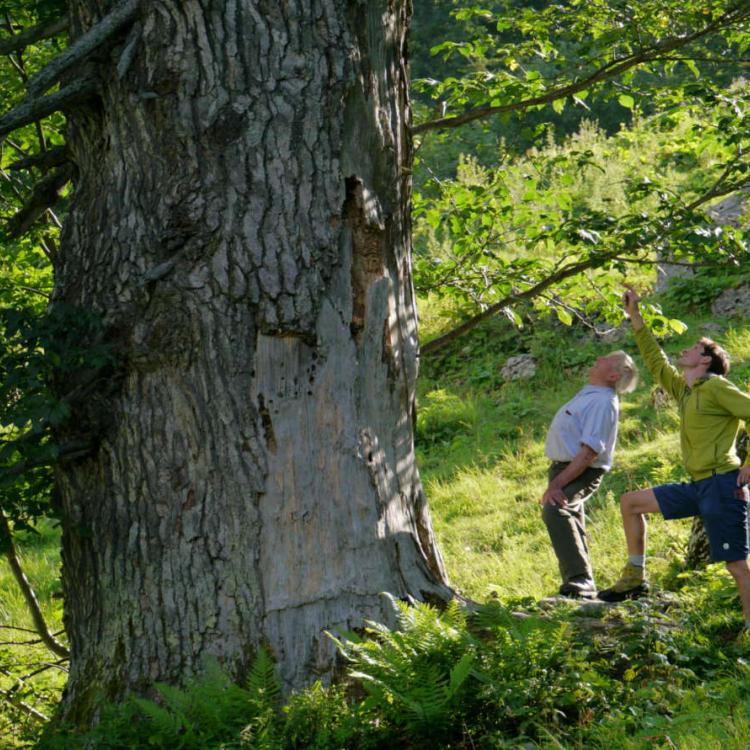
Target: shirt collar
(704,378)
(589,388)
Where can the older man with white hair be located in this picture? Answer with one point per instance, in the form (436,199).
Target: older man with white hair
(581,444)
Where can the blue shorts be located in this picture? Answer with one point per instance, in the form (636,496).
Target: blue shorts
(714,500)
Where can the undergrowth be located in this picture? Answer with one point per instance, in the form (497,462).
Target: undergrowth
(488,677)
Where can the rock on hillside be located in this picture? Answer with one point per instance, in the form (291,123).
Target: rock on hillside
(733,302)
(521,367)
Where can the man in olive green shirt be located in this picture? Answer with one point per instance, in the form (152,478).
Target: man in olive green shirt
(710,410)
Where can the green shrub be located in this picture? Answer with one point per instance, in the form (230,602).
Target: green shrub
(210,712)
(699,290)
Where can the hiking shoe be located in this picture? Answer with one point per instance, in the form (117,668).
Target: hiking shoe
(578,594)
(630,585)
(579,589)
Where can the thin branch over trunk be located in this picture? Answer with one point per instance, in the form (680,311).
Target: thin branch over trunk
(36,34)
(31,110)
(46,194)
(64,453)
(29,595)
(45,161)
(14,700)
(122,15)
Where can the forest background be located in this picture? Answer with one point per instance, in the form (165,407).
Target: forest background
(500,205)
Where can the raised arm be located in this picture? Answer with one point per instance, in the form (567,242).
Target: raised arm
(668,376)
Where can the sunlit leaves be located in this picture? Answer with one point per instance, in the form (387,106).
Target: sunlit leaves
(25,269)
(513,53)
(571,214)
(33,345)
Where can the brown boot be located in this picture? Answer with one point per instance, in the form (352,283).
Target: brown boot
(630,585)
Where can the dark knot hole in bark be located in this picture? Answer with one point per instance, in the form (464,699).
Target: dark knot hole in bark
(267,423)
(368,249)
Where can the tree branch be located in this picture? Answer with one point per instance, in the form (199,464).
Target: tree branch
(720,187)
(605,72)
(21,643)
(45,161)
(44,666)
(83,47)
(129,50)
(30,289)
(28,592)
(14,627)
(566,271)
(31,110)
(46,30)
(64,453)
(45,195)
(9,696)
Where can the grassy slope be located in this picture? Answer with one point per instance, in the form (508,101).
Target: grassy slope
(480,445)
(41,562)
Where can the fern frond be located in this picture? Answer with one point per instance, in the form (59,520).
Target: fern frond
(460,672)
(262,681)
(174,699)
(491,616)
(164,723)
(454,615)
(427,701)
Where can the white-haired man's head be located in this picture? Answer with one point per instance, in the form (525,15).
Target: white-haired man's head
(615,370)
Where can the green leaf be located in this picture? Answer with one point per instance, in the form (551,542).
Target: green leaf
(677,325)
(513,317)
(460,672)
(564,316)
(626,101)
(693,67)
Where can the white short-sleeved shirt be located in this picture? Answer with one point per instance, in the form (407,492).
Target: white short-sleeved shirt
(589,418)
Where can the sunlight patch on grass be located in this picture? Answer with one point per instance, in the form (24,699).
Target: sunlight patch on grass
(40,559)
(715,718)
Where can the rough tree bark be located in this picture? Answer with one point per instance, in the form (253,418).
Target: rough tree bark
(241,219)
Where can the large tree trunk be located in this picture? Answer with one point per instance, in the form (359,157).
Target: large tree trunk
(698,553)
(241,218)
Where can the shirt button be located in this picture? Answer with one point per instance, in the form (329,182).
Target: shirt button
(726,545)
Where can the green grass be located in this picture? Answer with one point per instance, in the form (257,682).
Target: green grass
(480,450)
(481,455)
(41,561)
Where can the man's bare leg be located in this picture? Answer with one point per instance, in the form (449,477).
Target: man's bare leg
(741,574)
(633,506)
(632,582)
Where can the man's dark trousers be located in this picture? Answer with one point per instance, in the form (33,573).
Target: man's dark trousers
(567,530)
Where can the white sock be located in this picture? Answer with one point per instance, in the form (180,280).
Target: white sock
(639,560)
(747,624)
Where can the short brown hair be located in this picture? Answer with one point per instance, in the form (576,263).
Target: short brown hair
(719,358)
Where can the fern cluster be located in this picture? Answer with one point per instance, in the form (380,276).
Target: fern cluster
(488,678)
(451,677)
(211,711)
